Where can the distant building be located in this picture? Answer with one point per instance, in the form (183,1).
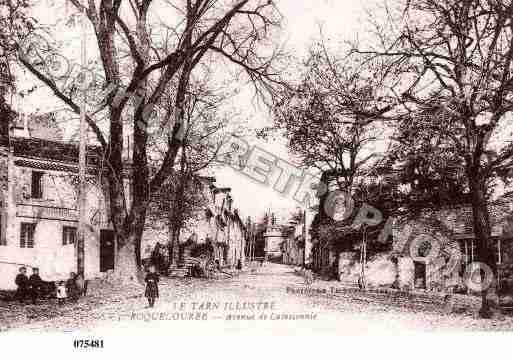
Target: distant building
(273,242)
(220,225)
(294,246)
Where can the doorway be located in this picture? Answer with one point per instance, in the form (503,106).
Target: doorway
(106,250)
(419,275)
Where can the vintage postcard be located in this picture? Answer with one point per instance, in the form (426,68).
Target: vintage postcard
(283,167)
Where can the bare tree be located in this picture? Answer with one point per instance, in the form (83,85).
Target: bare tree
(15,24)
(454,62)
(334,115)
(181,200)
(134,57)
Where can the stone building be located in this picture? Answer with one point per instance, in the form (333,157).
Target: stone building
(273,241)
(39,214)
(293,245)
(220,224)
(434,250)
(431,252)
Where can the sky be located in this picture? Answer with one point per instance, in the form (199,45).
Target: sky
(340,20)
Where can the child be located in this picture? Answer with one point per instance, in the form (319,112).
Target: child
(22,282)
(152,288)
(61,292)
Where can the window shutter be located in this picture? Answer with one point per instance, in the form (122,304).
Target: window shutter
(27,231)
(37,184)
(69,235)
(30,235)
(22,236)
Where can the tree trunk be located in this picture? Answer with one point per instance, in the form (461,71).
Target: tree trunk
(485,246)
(174,246)
(127,270)
(128,238)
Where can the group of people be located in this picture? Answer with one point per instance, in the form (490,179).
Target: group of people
(28,287)
(70,289)
(34,287)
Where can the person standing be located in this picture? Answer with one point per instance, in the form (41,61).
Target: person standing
(71,287)
(81,285)
(35,285)
(152,287)
(156,257)
(23,284)
(146,258)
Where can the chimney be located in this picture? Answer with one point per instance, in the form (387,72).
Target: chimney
(20,120)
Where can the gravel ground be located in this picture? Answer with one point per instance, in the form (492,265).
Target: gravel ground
(258,301)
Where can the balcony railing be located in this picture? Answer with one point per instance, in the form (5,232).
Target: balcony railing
(46,212)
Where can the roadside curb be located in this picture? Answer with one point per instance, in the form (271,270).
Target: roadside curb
(438,301)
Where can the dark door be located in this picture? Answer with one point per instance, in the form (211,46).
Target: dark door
(106,250)
(420,275)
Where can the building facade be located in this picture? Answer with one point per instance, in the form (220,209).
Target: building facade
(220,224)
(293,246)
(39,214)
(273,238)
(430,252)
(39,210)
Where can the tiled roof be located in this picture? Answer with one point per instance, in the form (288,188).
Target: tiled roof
(50,166)
(54,150)
(459,219)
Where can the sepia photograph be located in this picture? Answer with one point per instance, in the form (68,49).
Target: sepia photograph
(278,167)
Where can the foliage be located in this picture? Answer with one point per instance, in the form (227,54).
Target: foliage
(15,24)
(156,59)
(331,117)
(425,164)
(454,62)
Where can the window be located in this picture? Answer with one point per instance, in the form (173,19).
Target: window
(69,234)
(37,184)
(27,235)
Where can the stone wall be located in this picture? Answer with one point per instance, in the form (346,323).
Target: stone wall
(432,246)
(380,271)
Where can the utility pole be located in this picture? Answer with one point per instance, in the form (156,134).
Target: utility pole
(253,235)
(304,239)
(251,243)
(247,247)
(82,158)
(363,256)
